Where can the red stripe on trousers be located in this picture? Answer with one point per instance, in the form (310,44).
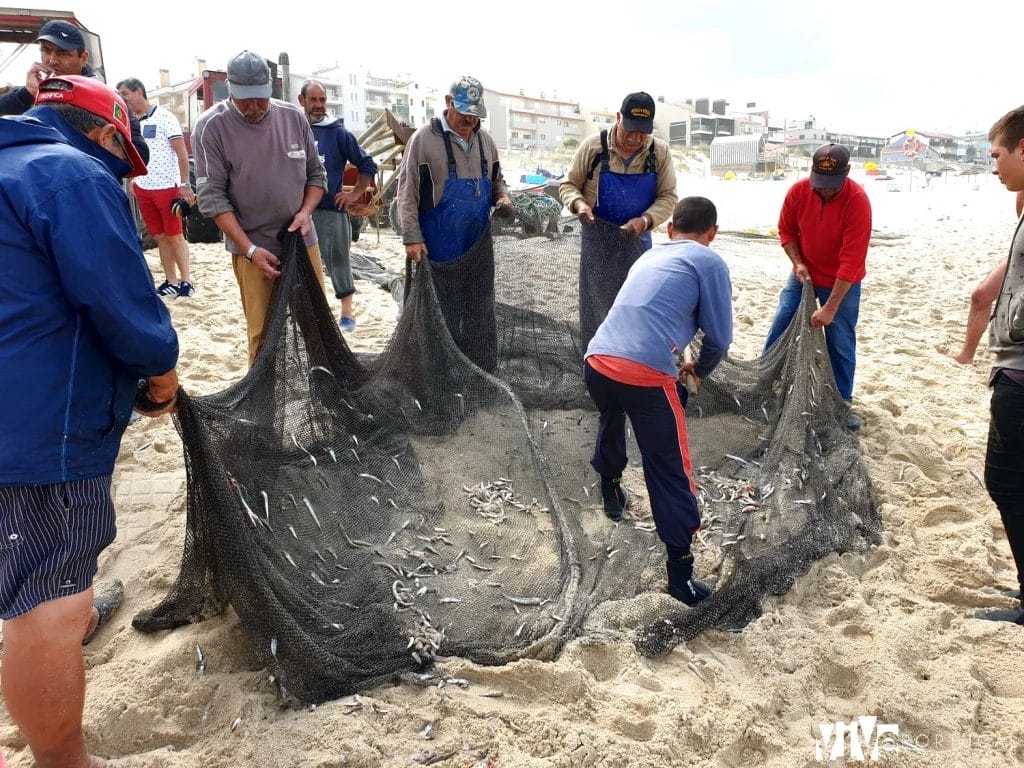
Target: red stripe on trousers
(684,444)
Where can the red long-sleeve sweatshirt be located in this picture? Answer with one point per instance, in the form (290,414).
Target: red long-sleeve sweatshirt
(833,236)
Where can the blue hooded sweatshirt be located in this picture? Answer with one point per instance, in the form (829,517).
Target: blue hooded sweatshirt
(337,148)
(80,323)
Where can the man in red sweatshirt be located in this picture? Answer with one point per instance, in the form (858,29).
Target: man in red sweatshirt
(825,228)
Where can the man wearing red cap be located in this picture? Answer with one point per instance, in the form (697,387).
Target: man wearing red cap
(825,229)
(62,51)
(81,326)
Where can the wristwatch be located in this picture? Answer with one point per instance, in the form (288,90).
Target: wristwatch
(250,252)
(649,220)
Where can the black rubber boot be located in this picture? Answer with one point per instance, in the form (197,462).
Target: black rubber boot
(1012,615)
(681,584)
(615,497)
(107,596)
(1013,594)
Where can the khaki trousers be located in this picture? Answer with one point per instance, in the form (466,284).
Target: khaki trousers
(255,288)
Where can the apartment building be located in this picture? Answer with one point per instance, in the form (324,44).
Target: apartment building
(519,121)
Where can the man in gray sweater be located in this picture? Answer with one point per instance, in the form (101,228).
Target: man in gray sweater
(257,171)
(1004,459)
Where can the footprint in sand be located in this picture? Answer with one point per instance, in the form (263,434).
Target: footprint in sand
(949,514)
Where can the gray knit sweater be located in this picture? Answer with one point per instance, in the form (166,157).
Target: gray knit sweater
(258,171)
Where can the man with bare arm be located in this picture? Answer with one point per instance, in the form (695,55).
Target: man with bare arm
(982,298)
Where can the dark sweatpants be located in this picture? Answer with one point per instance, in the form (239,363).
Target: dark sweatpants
(659,423)
(1004,463)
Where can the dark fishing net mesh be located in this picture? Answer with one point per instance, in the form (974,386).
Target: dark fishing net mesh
(364,516)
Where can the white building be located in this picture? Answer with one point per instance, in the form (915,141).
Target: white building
(532,122)
(363,97)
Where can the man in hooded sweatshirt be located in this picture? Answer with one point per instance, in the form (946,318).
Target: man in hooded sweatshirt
(337,148)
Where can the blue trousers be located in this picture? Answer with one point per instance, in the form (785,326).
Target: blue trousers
(659,423)
(840,337)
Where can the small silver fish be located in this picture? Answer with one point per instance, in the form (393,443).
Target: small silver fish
(312,513)
(524,600)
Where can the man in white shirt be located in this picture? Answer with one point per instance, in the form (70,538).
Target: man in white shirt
(166,182)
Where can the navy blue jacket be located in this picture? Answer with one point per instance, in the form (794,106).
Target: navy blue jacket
(337,147)
(80,323)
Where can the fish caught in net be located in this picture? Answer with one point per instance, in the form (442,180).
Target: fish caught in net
(364,516)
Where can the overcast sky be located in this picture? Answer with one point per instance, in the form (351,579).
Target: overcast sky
(876,68)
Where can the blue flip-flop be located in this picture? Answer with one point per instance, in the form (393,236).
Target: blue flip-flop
(107,595)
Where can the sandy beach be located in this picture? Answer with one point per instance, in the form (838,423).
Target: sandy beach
(887,633)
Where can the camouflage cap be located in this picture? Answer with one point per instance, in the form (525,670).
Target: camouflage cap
(468,97)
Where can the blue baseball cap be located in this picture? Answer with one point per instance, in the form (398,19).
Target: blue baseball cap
(468,97)
(63,34)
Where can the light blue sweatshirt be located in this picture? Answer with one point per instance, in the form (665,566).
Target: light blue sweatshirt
(671,292)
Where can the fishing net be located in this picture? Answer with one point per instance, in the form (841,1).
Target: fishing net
(365,516)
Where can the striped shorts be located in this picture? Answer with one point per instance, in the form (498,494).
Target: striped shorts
(50,538)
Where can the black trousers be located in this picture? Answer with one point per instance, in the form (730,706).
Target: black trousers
(1004,463)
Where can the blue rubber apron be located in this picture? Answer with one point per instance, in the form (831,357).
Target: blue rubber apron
(459,244)
(452,226)
(606,255)
(625,196)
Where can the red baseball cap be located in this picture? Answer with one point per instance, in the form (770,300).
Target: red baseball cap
(97,98)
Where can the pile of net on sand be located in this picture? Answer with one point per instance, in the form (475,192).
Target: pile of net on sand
(364,516)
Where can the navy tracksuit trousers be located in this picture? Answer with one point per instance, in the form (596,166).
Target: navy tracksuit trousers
(659,422)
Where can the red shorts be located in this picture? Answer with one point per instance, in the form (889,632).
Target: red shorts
(155,207)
